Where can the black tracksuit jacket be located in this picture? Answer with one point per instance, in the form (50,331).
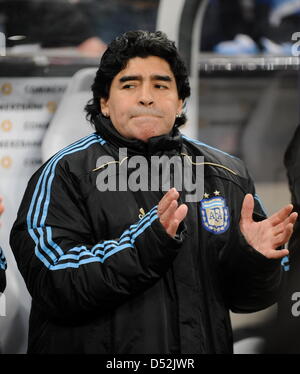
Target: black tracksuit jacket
(104,275)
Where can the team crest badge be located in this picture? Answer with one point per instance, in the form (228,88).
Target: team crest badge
(215,214)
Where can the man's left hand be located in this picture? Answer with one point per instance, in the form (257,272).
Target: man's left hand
(267,235)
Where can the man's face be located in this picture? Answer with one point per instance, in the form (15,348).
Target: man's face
(143,99)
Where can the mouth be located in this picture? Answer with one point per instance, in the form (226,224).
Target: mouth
(144,113)
(146,116)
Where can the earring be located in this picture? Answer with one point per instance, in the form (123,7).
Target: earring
(105,115)
(178,115)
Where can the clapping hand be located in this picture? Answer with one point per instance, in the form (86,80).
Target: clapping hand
(170,213)
(267,235)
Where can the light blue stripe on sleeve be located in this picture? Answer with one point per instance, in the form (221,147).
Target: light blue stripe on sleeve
(37,230)
(32,228)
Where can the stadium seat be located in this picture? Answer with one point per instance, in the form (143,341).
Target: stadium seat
(69,123)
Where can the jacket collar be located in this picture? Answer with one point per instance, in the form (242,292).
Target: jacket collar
(164,144)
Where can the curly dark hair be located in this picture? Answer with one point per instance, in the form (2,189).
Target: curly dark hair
(127,46)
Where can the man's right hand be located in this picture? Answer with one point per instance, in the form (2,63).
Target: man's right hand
(169,213)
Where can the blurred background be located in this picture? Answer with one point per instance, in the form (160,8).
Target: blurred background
(243,62)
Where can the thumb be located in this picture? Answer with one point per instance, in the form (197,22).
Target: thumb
(247,208)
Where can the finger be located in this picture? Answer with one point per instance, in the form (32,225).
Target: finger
(285,236)
(172,229)
(179,215)
(276,254)
(168,213)
(278,229)
(181,212)
(292,218)
(247,208)
(166,200)
(281,215)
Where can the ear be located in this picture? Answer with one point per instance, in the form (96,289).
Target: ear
(104,106)
(180,106)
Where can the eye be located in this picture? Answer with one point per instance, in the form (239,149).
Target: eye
(161,86)
(127,86)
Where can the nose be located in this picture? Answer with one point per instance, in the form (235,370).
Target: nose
(146,96)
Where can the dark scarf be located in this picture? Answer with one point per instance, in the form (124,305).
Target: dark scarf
(169,144)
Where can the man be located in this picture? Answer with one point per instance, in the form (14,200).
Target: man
(283,334)
(292,262)
(134,271)
(3,264)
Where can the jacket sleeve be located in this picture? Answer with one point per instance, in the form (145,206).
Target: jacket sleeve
(251,280)
(3,266)
(66,272)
